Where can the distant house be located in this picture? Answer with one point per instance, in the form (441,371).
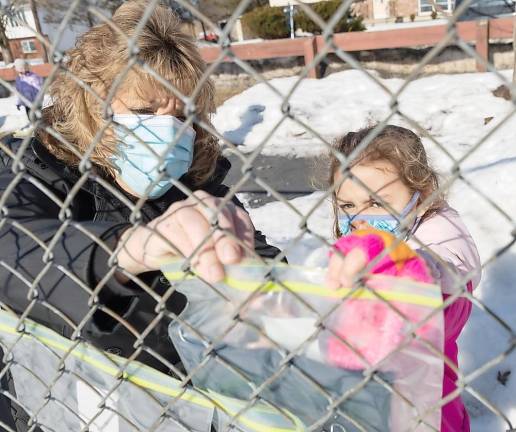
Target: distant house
(387,10)
(22,38)
(390,10)
(289,2)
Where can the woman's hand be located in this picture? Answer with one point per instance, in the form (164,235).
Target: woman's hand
(181,230)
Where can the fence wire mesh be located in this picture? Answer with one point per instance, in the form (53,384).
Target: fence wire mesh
(62,246)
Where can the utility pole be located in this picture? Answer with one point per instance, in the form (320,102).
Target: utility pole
(292,30)
(34,11)
(289,10)
(514,49)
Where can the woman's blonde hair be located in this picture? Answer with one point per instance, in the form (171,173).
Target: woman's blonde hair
(404,150)
(99,56)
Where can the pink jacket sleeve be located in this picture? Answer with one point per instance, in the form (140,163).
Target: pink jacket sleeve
(448,249)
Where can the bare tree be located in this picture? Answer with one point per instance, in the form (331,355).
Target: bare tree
(58,8)
(10,14)
(37,23)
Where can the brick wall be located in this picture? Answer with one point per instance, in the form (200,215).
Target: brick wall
(17,50)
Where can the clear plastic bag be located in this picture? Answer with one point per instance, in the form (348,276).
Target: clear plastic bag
(80,376)
(366,359)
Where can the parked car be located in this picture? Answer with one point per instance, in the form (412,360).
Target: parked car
(478,9)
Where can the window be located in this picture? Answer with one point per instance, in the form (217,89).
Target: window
(28,46)
(426,6)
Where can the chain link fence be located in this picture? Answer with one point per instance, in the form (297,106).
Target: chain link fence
(67,304)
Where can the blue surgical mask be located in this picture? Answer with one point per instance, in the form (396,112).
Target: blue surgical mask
(144,139)
(382,222)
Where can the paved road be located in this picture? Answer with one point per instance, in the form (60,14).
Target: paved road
(290,176)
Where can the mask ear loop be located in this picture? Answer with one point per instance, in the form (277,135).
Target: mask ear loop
(348,224)
(408,208)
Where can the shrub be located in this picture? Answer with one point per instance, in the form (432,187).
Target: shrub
(434,14)
(272,23)
(412,17)
(326,10)
(267,22)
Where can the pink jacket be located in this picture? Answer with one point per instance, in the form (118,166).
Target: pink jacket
(450,252)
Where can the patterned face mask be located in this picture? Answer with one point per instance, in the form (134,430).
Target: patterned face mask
(144,139)
(382,222)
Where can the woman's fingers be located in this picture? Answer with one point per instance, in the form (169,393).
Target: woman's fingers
(185,229)
(165,237)
(225,242)
(220,246)
(343,270)
(197,228)
(244,229)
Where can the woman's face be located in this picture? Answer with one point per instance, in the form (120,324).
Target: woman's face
(382,178)
(128,101)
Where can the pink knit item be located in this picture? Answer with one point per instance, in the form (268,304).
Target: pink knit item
(371,327)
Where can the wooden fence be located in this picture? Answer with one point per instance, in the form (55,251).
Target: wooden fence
(480,33)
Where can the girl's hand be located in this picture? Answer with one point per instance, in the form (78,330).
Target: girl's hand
(181,230)
(342,270)
(360,248)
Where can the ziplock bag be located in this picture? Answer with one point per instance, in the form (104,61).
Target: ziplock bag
(365,359)
(69,386)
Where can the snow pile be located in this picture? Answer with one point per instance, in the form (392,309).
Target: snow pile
(458,111)
(349,100)
(10,118)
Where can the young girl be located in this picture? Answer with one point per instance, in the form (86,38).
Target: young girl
(393,189)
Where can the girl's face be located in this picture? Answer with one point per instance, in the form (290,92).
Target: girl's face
(380,177)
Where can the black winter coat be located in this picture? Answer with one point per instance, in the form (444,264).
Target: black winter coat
(63,279)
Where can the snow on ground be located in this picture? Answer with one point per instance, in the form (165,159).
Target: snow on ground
(349,100)
(455,109)
(10,118)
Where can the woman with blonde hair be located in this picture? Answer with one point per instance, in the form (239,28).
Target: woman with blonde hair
(100,196)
